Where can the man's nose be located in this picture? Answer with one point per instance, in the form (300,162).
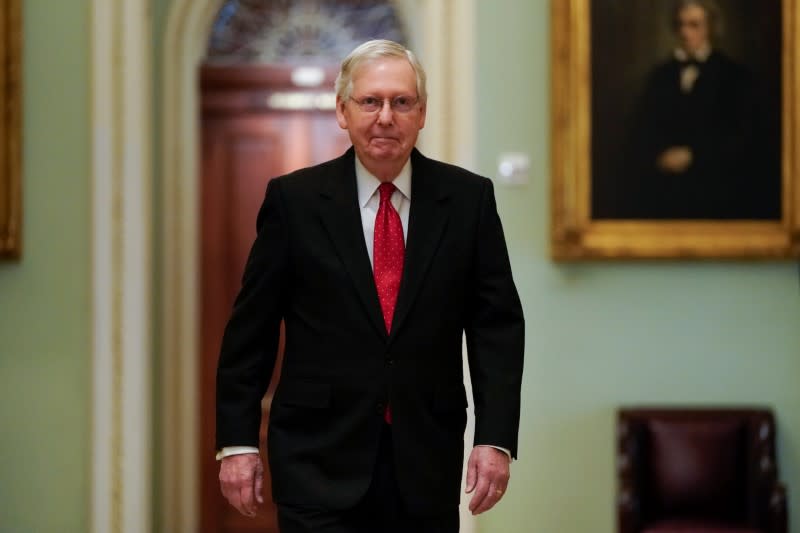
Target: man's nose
(385,115)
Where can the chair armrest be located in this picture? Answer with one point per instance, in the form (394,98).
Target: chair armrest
(777,514)
(628,512)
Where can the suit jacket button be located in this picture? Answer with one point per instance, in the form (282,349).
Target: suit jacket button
(379,408)
(389,361)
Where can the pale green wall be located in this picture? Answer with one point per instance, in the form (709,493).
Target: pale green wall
(598,336)
(601,335)
(44,302)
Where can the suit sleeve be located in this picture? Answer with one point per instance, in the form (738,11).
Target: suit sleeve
(250,342)
(495,334)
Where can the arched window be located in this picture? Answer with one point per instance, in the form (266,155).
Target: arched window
(299,31)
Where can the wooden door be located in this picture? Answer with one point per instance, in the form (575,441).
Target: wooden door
(256,124)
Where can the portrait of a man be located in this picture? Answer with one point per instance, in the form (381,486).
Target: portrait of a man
(686,106)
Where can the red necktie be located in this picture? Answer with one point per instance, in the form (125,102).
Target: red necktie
(387,259)
(387,253)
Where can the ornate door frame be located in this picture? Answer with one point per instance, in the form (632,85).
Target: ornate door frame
(441,32)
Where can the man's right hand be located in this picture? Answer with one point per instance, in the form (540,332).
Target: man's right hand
(241,478)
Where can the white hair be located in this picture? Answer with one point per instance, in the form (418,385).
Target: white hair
(376,49)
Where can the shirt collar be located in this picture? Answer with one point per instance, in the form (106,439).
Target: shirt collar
(368,184)
(701,55)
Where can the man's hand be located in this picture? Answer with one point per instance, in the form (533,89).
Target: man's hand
(675,160)
(241,478)
(487,475)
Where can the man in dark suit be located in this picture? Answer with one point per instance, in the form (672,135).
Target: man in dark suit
(378,262)
(698,146)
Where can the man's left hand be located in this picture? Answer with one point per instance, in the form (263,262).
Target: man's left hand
(675,159)
(487,475)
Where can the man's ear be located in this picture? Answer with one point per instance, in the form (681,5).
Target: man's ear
(341,118)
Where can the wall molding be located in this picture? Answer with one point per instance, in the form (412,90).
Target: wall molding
(121,267)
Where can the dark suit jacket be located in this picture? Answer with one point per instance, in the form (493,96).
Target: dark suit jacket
(309,266)
(731,174)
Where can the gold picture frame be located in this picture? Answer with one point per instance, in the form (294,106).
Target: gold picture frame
(577,235)
(10,129)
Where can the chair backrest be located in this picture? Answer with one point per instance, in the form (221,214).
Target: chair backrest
(707,463)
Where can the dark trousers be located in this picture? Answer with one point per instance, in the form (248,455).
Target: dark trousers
(380,511)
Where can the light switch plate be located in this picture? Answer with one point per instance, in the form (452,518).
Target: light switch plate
(513,168)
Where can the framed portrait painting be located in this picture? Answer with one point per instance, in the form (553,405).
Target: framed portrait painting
(675,129)
(10,129)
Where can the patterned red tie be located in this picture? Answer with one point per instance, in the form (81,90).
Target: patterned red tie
(387,253)
(387,259)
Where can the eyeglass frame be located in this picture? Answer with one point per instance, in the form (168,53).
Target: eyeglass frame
(392,104)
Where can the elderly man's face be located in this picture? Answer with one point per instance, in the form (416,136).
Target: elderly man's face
(692,28)
(386,135)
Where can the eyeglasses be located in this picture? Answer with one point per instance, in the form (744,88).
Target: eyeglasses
(398,104)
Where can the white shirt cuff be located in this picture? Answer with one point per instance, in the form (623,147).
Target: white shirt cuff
(227,451)
(504,450)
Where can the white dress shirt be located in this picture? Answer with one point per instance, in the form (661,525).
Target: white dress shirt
(690,72)
(369,200)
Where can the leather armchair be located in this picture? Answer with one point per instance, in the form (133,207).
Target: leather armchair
(698,471)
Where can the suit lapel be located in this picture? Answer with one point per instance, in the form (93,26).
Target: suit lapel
(341,217)
(426,223)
